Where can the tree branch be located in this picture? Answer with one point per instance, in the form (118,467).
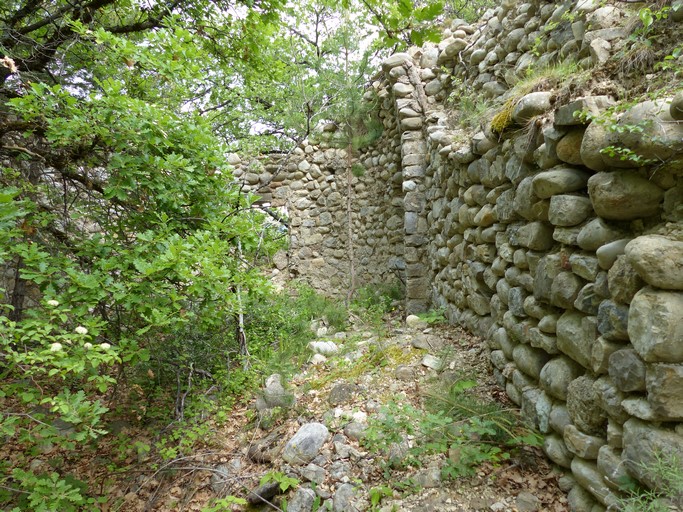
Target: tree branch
(310,41)
(153,22)
(379,18)
(29,8)
(24,150)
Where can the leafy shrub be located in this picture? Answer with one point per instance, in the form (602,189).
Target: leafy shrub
(126,237)
(279,326)
(48,492)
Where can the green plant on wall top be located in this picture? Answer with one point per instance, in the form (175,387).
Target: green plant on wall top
(648,17)
(546,79)
(672,62)
(639,57)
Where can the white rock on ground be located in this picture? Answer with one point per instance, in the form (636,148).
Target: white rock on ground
(306,443)
(325,348)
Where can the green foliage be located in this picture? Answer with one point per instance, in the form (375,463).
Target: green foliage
(382,295)
(536,46)
(129,241)
(625,154)
(404,22)
(672,62)
(279,326)
(647,17)
(468,10)
(455,423)
(570,16)
(285,482)
(371,128)
(224,504)
(639,56)
(651,31)
(535,79)
(371,303)
(375,359)
(472,108)
(48,492)
(182,439)
(667,471)
(311,305)
(550,26)
(358,170)
(377,494)
(434,316)
(46,355)
(549,77)
(610,119)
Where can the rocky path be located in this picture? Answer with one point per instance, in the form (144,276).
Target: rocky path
(309,436)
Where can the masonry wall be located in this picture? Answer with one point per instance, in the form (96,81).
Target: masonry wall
(567,259)
(311,187)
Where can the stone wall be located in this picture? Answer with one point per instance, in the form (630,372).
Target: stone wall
(566,258)
(311,186)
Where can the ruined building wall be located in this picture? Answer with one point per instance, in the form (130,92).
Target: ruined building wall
(568,261)
(311,186)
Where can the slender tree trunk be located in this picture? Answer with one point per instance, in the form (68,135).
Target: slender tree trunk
(18,293)
(349,178)
(349,191)
(241,333)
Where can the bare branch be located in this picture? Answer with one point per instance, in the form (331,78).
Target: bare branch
(21,149)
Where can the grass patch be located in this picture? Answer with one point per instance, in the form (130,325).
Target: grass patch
(545,79)
(279,328)
(377,357)
(472,108)
(433,317)
(666,469)
(550,77)
(467,430)
(458,402)
(371,303)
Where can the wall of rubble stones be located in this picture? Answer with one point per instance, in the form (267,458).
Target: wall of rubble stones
(318,193)
(567,260)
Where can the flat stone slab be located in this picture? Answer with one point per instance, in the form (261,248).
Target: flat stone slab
(574,112)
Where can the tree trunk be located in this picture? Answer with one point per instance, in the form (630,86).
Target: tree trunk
(349,190)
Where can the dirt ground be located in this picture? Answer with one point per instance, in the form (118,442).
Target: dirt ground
(524,483)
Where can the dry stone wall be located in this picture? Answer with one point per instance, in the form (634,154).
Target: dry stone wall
(319,194)
(566,258)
